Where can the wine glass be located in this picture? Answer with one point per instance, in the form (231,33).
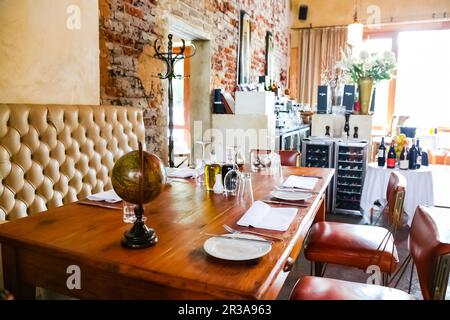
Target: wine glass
(245,191)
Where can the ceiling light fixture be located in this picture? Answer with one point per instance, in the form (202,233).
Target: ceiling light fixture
(355,30)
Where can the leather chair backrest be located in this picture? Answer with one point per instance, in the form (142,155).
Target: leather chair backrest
(55,154)
(428,245)
(289,157)
(395,196)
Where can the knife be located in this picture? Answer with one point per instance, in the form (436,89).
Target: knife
(294,189)
(287,203)
(306,176)
(237,238)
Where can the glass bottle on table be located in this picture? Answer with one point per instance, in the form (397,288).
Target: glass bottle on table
(391,157)
(404,164)
(412,156)
(419,155)
(212,169)
(229,163)
(381,154)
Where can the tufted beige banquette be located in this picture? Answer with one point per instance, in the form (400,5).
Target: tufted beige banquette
(55,154)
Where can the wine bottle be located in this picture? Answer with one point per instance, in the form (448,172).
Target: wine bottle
(404,164)
(382,154)
(419,155)
(391,157)
(412,156)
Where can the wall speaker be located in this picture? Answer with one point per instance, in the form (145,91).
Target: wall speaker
(323,100)
(349,97)
(303,12)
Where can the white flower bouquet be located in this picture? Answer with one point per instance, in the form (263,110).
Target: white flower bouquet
(368,65)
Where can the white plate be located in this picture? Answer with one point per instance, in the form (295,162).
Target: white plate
(290,196)
(236,250)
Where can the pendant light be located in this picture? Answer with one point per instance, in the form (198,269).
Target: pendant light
(355,30)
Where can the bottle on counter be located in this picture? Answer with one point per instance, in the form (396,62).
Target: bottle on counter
(412,156)
(382,154)
(419,155)
(404,163)
(391,157)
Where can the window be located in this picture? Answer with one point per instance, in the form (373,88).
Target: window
(181,106)
(423,78)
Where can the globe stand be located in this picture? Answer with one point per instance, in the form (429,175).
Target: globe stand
(139,236)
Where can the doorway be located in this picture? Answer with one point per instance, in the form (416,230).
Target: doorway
(192,93)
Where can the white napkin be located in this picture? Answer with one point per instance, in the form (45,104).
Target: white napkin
(300,182)
(107,196)
(261,215)
(181,173)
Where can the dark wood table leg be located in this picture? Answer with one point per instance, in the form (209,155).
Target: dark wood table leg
(11,278)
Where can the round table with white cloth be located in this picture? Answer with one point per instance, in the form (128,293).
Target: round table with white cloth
(419,188)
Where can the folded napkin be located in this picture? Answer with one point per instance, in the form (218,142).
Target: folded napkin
(300,182)
(181,173)
(261,215)
(107,196)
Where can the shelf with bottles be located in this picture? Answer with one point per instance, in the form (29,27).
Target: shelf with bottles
(355,177)
(355,169)
(346,206)
(348,199)
(317,151)
(349,192)
(348,184)
(317,165)
(350,161)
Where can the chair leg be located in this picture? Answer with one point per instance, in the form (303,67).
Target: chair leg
(385,279)
(318,269)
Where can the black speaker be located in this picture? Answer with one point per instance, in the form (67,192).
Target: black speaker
(218,106)
(349,97)
(303,12)
(323,100)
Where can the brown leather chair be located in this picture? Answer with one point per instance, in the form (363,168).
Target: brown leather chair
(290,158)
(359,246)
(430,252)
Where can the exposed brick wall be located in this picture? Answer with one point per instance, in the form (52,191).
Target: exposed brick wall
(128,28)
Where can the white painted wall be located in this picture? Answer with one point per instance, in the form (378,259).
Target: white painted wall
(42,60)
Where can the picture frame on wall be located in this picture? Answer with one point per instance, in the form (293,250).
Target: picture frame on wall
(269,56)
(244,55)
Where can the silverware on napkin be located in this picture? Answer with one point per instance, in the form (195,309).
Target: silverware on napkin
(237,238)
(287,203)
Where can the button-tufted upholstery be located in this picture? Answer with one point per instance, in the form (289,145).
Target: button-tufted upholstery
(55,154)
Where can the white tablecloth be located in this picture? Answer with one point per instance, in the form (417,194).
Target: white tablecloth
(419,188)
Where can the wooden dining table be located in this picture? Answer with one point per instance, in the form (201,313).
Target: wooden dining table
(39,250)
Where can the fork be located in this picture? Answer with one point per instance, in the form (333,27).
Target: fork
(231,230)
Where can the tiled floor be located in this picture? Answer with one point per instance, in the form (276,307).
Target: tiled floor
(441,181)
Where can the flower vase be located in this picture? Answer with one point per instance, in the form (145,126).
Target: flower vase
(365,88)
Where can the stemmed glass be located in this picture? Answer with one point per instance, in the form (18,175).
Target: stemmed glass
(245,191)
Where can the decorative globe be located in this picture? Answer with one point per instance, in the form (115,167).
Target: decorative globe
(126,174)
